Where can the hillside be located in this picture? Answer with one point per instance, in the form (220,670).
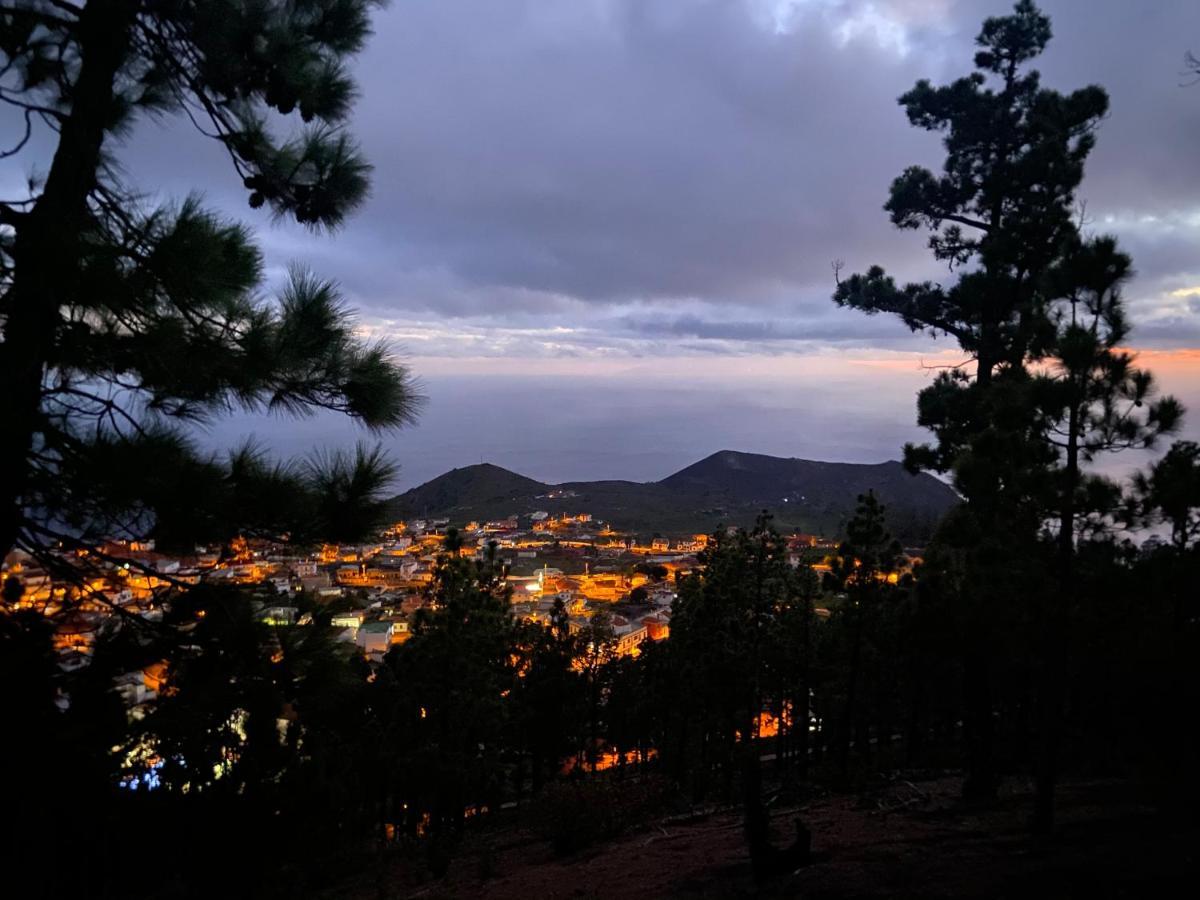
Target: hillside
(727,487)
(466,489)
(908,838)
(752,478)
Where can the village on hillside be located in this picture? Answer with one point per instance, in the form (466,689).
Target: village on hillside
(369,593)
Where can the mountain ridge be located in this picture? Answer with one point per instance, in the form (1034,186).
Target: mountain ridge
(728,487)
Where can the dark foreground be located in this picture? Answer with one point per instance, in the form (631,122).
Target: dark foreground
(912,839)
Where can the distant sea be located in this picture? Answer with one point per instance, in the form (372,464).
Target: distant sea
(642,419)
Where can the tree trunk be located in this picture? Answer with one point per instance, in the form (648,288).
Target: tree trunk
(979,787)
(766,859)
(46,252)
(756,821)
(846,729)
(801,711)
(980,784)
(1053,641)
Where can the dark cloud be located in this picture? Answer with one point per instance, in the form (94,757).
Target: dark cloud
(635,181)
(661,150)
(536,159)
(550,159)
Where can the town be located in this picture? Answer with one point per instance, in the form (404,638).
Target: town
(370,592)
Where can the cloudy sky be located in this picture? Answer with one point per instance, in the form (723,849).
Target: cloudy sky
(602,230)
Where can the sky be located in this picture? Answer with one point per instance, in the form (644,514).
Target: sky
(601,231)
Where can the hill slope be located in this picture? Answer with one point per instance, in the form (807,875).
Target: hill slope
(463,490)
(756,479)
(725,488)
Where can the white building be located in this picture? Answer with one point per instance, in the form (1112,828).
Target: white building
(375,638)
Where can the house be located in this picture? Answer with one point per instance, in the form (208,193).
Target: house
(546,573)
(349,619)
(411,603)
(374,638)
(400,629)
(132,689)
(279,615)
(660,545)
(314,582)
(629,635)
(661,593)
(509,524)
(658,627)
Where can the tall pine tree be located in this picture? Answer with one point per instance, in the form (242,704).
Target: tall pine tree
(1035,306)
(121,320)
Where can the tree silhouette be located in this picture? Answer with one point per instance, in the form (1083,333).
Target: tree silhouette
(1170,492)
(1000,215)
(549,698)
(860,570)
(597,648)
(453,678)
(1092,399)
(725,631)
(1090,395)
(121,320)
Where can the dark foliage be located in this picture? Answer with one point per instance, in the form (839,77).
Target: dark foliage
(1036,309)
(121,320)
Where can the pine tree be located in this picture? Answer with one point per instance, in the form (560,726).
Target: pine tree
(1001,216)
(597,648)
(549,697)
(1170,493)
(121,320)
(1091,399)
(860,570)
(725,631)
(453,677)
